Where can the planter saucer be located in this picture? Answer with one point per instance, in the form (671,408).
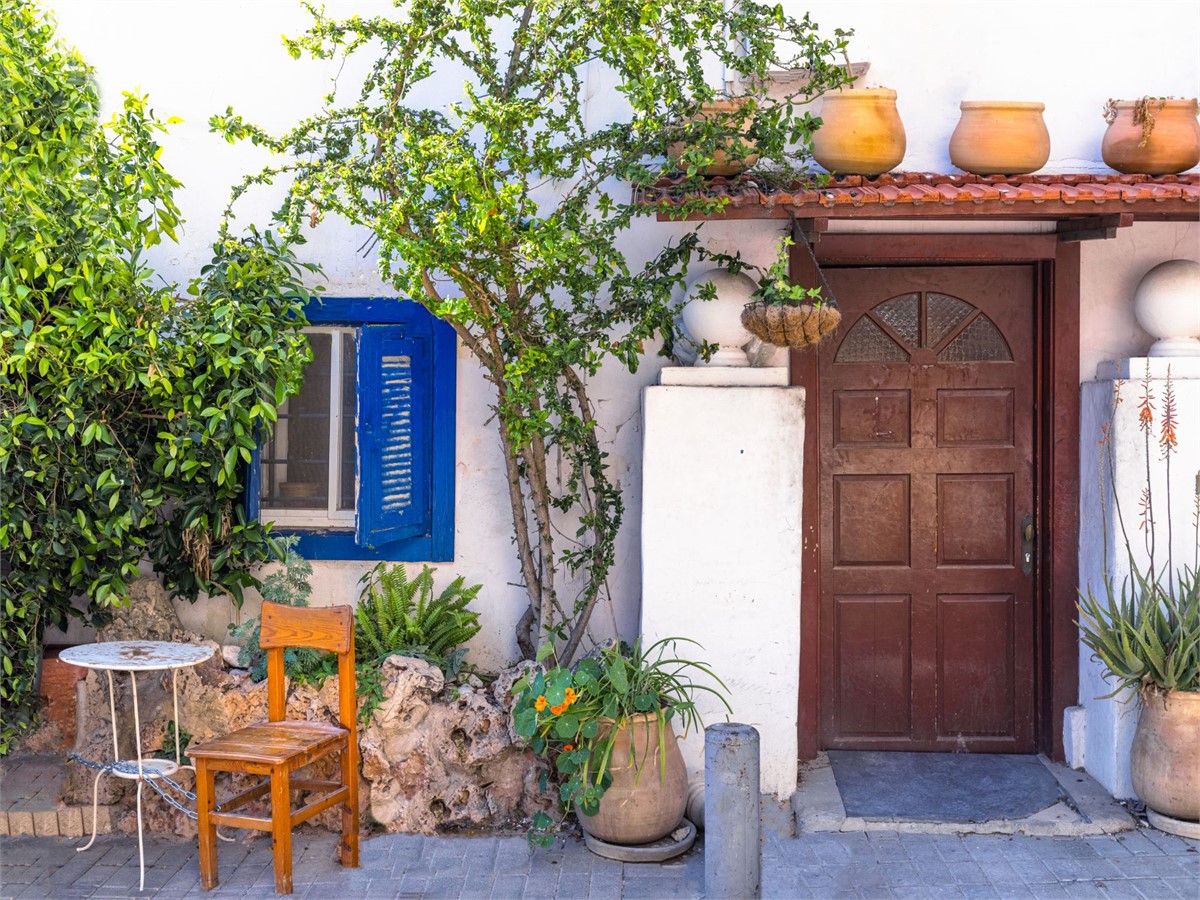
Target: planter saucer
(1181,827)
(674,844)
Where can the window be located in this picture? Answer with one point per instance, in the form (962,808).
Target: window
(361,462)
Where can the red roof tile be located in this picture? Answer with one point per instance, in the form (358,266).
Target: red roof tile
(927,195)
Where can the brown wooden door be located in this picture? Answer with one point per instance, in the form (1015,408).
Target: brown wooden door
(927,473)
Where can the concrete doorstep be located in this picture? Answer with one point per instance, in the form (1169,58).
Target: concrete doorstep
(1088,809)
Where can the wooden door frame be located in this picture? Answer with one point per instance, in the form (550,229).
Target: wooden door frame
(1056,430)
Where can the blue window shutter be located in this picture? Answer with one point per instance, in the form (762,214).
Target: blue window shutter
(395,427)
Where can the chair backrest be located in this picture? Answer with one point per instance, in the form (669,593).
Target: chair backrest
(331,629)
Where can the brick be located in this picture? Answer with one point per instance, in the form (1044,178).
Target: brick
(45,824)
(20,823)
(3,823)
(70,822)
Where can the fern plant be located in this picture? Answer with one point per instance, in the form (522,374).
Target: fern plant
(401,615)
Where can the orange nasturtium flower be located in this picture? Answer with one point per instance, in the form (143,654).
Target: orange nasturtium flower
(571,696)
(540,703)
(567,747)
(559,710)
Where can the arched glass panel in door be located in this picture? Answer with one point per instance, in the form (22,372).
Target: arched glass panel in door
(951,328)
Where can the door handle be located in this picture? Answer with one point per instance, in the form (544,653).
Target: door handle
(1028,536)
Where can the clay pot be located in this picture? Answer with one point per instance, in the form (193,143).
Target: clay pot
(997,137)
(1165,760)
(640,808)
(861,132)
(1171,145)
(723,163)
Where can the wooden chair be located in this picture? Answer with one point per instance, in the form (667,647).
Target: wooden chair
(277,748)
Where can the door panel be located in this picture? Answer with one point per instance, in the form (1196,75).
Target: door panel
(926,469)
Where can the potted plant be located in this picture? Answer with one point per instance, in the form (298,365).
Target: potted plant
(1145,632)
(787,314)
(1151,135)
(1000,137)
(718,139)
(607,727)
(861,132)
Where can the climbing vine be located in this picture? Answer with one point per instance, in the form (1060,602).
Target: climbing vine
(505,210)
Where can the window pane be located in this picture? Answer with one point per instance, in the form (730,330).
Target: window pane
(296,460)
(349,409)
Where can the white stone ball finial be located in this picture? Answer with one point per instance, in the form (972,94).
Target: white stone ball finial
(719,321)
(1167,305)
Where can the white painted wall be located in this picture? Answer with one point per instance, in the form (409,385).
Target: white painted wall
(721,493)
(195,58)
(1109,724)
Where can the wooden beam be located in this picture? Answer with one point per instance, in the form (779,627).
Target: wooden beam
(920,249)
(811,230)
(1092,228)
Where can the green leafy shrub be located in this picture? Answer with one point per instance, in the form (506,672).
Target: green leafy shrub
(399,615)
(287,585)
(126,410)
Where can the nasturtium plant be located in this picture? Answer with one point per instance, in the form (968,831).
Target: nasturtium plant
(127,409)
(505,211)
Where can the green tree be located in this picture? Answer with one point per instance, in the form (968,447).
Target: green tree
(504,211)
(126,412)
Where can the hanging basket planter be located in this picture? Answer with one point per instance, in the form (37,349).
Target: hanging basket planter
(790,326)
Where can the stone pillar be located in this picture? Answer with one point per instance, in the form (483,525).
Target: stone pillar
(1099,732)
(733,837)
(722,472)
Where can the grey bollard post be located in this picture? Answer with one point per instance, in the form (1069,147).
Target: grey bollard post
(732,833)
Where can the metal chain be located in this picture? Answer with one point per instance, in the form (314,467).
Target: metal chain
(126,767)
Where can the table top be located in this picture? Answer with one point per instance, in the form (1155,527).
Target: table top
(135,656)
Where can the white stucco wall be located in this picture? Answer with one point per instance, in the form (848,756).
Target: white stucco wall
(195,58)
(1110,723)
(721,490)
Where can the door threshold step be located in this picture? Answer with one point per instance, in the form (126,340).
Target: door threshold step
(1088,810)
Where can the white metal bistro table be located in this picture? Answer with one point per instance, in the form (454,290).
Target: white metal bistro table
(134,657)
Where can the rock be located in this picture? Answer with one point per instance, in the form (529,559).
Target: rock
(231,653)
(149,615)
(449,761)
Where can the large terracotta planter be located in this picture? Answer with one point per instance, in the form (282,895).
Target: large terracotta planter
(1165,761)
(638,809)
(1170,144)
(723,162)
(861,132)
(1000,137)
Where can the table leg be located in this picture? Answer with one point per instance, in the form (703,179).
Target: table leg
(95,806)
(112,709)
(137,740)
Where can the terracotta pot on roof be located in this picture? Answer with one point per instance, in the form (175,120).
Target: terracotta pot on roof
(1000,137)
(1151,136)
(861,132)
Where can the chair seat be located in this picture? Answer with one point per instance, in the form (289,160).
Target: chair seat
(272,743)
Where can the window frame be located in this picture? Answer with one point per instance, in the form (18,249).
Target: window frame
(335,543)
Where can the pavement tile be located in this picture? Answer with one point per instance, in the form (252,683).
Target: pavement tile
(1048,891)
(478,887)
(1137,843)
(574,885)
(653,889)
(508,887)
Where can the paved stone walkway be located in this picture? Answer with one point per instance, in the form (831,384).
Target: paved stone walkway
(878,864)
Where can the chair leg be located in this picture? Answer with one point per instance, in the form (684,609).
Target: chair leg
(281,829)
(348,848)
(205,801)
